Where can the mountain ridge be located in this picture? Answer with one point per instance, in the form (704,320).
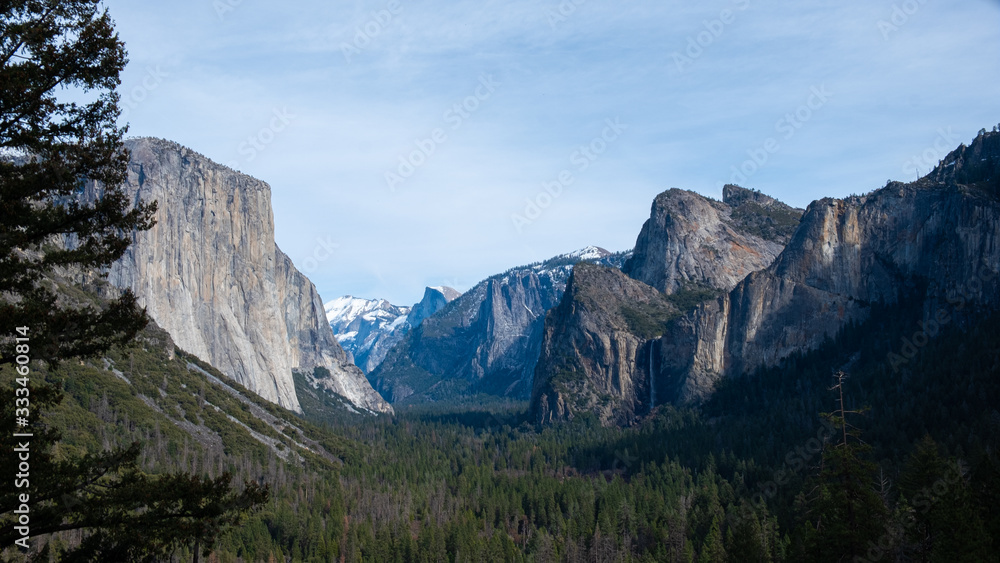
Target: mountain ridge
(930,237)
(599,345)
(369,328)
(484,342)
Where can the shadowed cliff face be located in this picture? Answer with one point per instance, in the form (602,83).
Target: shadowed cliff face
(600,345)
(370,328)
(938,236)
(597,347)
(486,341)
(210,274)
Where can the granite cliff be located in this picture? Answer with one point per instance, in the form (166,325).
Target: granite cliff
(935,242)
(600,344)
(485,342)
(211,275)
(690,240)
(597,347)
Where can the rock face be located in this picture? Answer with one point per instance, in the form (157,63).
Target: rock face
(939,236)
(435,298)
(597,348)
(600,345)
(486,341)
(369,328)
(210,274)
(690,239)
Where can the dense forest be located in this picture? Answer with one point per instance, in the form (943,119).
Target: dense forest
(773,468)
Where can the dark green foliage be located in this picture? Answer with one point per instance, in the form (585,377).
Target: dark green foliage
(54,151)
(129,514)
(690,297)
(776,223)
(478,482)
(649,320)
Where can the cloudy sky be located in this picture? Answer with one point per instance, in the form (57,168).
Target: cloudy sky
(413,143)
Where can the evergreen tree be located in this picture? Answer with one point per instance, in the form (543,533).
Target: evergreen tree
(847,515)
(49,150)
(944,522)
(712,551)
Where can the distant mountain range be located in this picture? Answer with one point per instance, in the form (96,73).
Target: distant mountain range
(713,289)
(369,328)
(619,344)
(487,340)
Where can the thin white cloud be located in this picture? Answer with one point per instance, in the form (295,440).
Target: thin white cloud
(559,80)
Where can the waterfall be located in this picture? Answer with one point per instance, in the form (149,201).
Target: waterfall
(652,377)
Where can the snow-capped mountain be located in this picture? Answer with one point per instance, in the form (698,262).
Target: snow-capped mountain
(369,328)
(487,341)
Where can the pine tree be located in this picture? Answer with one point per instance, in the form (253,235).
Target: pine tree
(49,151)
(847,517)
(945,523)
(712,550)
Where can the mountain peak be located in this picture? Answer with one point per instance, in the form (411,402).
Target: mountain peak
(734,196)
(435,298)
(972,165)
(589,253)
(691,240)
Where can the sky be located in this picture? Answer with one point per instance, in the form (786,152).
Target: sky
(423,143)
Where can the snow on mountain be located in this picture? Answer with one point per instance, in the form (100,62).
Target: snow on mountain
(588,253)
(346,311)
(369,328)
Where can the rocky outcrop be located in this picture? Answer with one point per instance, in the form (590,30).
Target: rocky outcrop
(690,240)
(937,236)
(369,328)
(435,298)
(600,343)
(597,351)
(210,274)
(486,341)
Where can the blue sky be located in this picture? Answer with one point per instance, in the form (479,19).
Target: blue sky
(415,143)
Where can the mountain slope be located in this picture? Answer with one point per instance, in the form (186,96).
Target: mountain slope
(486,341)
(596,348)
(369,328)
(211,275)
